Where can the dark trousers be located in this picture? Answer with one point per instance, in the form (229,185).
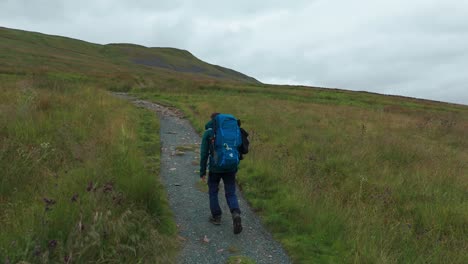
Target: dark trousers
(229,180)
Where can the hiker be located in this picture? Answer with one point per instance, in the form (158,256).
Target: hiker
(222,143)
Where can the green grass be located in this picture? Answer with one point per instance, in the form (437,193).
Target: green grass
(79,178)
(360,178)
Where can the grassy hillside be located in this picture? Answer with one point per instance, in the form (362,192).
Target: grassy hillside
(23,52)
(338,176)
(348,177)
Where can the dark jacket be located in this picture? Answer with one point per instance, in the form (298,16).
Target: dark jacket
(205,152)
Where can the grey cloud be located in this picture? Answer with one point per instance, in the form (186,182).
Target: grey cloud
(415,48)
(41,10)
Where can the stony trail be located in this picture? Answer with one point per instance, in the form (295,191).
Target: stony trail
(203,242)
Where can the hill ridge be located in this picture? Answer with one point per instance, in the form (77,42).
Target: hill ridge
(124,56)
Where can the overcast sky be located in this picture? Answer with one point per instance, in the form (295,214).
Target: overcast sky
(416,48)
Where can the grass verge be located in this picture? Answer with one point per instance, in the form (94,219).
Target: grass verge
(79,177)
(375,179)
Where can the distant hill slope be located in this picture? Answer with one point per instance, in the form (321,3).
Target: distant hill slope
(177,60)
(23,51)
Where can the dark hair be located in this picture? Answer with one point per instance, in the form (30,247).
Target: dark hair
(213,115)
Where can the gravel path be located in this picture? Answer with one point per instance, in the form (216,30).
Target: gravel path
(202,241)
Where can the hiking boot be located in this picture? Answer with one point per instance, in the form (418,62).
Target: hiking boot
(236,223)
(215,220)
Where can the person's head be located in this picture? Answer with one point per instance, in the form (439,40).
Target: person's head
(213,115)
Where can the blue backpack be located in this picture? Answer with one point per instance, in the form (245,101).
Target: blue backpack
(226,141)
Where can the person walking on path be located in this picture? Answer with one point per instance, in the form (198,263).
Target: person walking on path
(220,144)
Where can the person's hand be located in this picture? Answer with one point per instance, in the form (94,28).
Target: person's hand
(203,178)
